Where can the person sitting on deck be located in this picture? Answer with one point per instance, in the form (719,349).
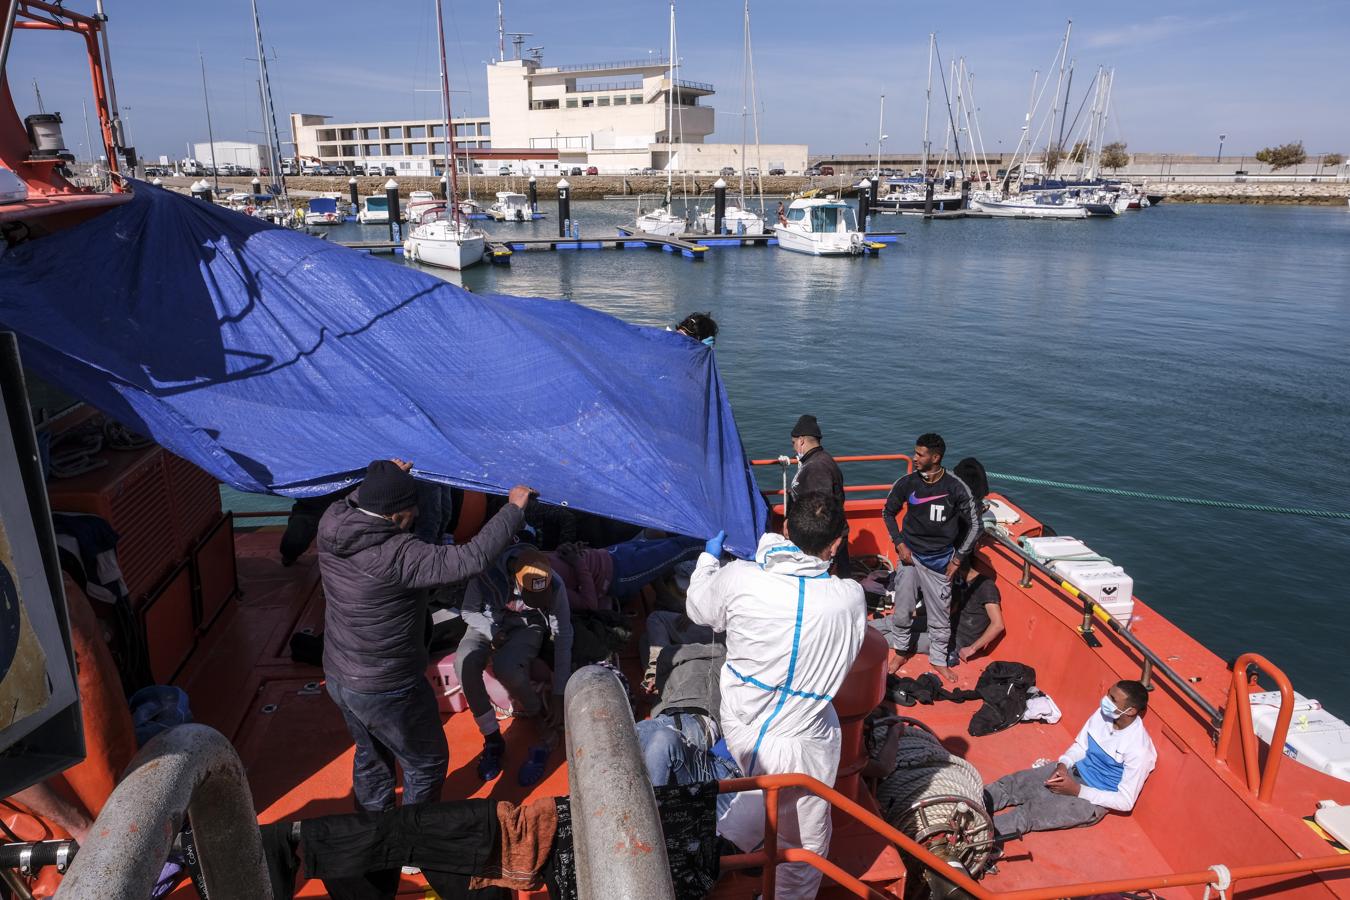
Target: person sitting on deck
(620,571)
(376,577)
(941,527)
(792,635)
(510,609)
(976,616)
(700,327)
(679,743)
(1104,769)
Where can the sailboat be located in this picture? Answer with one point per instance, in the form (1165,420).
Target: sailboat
(280,213)
(739,219)
(442,238)
(662,220)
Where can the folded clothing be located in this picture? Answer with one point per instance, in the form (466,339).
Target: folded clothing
(526,833)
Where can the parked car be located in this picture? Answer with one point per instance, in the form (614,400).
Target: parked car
(812,171)
(778,171)
(389,170)
(753,171)
(575,170)
(635,171)
(325,170)
(358,170)
(592,170)
(650,171)
(729,172)
(827,170)
(506,170)
(861,173)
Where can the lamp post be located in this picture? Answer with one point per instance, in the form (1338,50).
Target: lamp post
(1222,138)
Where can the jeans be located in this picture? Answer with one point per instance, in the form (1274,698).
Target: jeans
(677,749)
(639,563)
(1037,807)
(402,725)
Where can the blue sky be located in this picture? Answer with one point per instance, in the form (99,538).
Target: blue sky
(1185,71)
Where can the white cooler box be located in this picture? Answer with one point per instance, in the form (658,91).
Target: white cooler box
(1091,573)
(1317,739)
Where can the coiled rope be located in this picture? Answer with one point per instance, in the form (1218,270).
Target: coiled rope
(1172,498)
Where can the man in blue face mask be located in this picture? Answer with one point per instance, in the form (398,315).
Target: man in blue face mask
(1103,770)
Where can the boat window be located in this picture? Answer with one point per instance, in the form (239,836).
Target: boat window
(825,218)
(377,204)
(796,215)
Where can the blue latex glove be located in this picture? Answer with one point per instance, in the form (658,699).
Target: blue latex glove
(714,545)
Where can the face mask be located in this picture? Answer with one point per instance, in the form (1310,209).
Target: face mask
(707,341)
(1109,711)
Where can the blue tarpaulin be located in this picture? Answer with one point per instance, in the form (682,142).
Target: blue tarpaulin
(283,363)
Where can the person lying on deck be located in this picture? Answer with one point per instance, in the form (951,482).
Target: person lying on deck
(1104,769)
(682,741)
(592,575)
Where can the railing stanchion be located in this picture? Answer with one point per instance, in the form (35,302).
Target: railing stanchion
(770,841)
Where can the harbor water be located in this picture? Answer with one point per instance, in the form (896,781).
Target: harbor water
(1184,350)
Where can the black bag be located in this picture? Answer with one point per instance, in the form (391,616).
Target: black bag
(1003,687)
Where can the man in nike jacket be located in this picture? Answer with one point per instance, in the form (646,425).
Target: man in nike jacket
(941,527)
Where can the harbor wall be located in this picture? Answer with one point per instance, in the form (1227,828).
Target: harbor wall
(595,187)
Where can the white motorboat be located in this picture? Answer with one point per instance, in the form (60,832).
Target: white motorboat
(419,202)
(440,240)
(374,211)
(661,221)
(511,207)
(821,227)
(323,211)
(471,207)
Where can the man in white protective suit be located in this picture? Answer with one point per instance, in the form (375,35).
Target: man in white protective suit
(792,633)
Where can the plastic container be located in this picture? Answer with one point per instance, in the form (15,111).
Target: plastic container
(1316,739)
(1334,819)
(1103,582)
(1049,549)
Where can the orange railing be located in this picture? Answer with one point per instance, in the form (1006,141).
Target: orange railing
(1244,732)
(786,461)
(771,785)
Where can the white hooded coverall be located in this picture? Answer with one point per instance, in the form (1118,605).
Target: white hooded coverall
(792,634)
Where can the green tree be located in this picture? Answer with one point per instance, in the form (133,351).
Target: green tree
(1333,160)
(1283,156)
(1053,156)
(1078,152)
(1114,155)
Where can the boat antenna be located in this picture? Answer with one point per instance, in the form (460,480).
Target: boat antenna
(445,120)
(210,135)
(41,108)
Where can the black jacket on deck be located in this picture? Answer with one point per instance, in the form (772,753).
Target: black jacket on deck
(376,580)
(817,473)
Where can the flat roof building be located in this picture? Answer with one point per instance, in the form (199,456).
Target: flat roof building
(234,153)
(615,116)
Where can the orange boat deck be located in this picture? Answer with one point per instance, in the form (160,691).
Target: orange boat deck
(1193,812)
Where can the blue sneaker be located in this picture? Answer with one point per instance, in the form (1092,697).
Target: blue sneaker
(490,762)
(535,766)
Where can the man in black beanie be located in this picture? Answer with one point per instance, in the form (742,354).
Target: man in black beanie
(817,472)
(377,577)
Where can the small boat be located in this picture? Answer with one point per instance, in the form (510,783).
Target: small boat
(661,221)
(910,197)
(471,208)
(735,220)
(511,207)
(440,239)
(374,211)
(419,202)
(1041,205)
(827,227)
(323,211)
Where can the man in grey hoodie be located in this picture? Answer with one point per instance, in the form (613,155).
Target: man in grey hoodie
(377,577)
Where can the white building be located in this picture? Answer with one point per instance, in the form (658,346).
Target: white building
(614,116)
(234,153)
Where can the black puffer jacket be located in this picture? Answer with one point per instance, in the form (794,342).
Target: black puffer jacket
(376,580)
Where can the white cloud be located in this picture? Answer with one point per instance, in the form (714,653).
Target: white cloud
(1140,34)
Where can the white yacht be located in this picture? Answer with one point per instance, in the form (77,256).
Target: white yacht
(511,207)
(374,210)
(323,211)
(1040,205)
(821,227)
(736,220)
(661,220)
(419,202)
(439,239)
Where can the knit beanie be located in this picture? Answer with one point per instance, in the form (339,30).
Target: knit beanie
(387,489)
(806,427)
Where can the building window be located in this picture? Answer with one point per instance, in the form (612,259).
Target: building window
(462,130)
(544,104)
(571,102)
(587,102)
(438,148)
(405,165)
(485,145)
(394,131)
(349,150)
(370,134)
(603,101)
(417,131)
(349,134)
(436,131)
(372,149)
(621,100)
(417,149)
(635,99)
(484,129)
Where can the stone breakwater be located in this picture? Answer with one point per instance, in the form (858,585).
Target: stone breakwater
(595,187)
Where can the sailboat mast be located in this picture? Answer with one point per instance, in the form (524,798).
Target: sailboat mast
(269,112)
(670,107)
(1059,84)
(754,106)
(445,118)
(745,78)
(927,101)
(881,126)
(210,135)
